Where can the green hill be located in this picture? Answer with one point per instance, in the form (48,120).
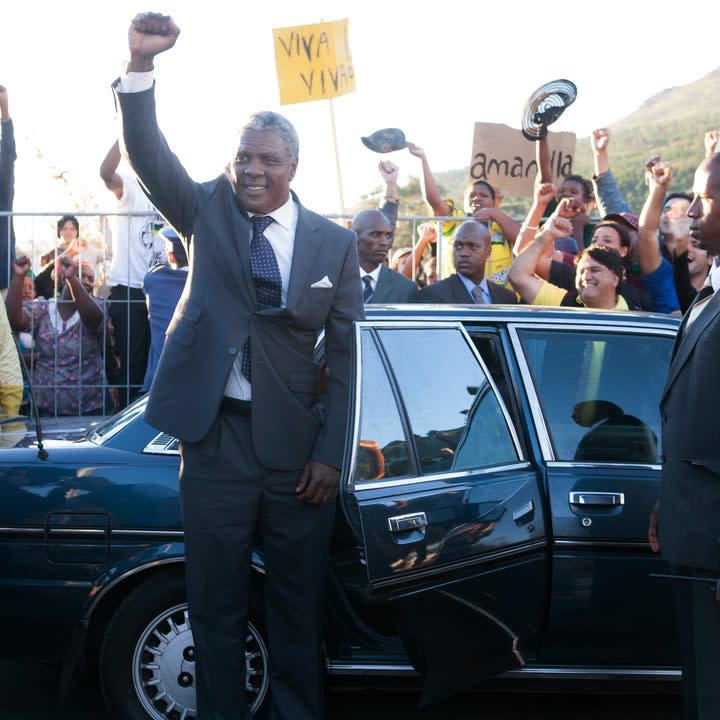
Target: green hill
(671,124)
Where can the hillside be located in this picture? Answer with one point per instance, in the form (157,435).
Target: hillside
(671,124)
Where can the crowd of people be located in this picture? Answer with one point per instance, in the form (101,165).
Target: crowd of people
(579,245)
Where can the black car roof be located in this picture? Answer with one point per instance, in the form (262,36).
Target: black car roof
(516,314)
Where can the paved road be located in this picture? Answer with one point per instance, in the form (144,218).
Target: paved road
(27,692)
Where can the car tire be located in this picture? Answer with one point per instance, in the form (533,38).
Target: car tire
(147,668)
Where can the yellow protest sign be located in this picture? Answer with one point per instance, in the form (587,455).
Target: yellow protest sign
(313,62)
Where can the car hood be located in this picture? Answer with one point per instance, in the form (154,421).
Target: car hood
(56,432)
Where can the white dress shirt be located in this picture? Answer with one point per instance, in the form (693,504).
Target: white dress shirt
(374,276)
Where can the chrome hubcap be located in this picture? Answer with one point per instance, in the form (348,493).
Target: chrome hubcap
(163,667)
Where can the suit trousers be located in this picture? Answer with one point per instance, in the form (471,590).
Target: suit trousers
(698,622)
(228,498)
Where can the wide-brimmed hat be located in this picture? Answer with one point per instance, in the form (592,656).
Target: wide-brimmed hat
(545,106)
(385,140)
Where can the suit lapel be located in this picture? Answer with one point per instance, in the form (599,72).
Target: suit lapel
(235,263)
(384,285)
(459,291)
(307,244)
(687,338)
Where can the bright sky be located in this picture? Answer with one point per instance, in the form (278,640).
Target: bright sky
(432,69)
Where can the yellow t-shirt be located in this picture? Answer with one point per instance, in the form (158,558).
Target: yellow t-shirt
(553,295)
(501,257)
(11,382)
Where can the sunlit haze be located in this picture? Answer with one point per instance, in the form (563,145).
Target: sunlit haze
(430,69)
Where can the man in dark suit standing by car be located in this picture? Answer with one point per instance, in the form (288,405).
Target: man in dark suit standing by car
(259,453)
(380,284)
(471,249)
(685,524)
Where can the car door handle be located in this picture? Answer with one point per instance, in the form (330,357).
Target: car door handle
(596,499)
(403,523)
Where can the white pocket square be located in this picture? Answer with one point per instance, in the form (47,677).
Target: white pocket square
(324,283)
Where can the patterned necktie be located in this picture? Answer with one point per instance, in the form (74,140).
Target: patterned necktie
(265,274)
(368,291)
(478,294)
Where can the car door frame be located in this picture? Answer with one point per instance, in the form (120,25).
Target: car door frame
(422,598)
(590,569)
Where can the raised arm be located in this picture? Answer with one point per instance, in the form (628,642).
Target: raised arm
(543,194)
(427,233)
(607,193)
(19,319)
(390,205)
(149,35)
(522,275)
(542,158)
(91,315)
(170,188)
(8,153)
(509,227)
(429,187)
(648,247)
(711,141)
(108,170)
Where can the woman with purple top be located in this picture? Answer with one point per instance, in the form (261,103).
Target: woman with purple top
(68,336)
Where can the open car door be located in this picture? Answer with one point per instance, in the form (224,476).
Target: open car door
(450,511)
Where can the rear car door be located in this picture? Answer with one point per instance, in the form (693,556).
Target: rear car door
(450,511)
(594,391)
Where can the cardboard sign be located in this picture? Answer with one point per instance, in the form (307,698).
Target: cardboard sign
(313,62)
(506,159)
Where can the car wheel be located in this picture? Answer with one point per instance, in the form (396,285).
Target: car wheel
(147,660)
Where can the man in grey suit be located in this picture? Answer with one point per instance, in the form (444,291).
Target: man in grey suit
(685,524)
(471,249)
(266,276)
(380,284)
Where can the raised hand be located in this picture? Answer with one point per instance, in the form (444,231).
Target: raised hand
(544,193)
(389,171)
(600,139)
(22,266)
(711,141)
(150,34)
(558,227)
(661,173)
(68,267)
(427,232)
(416,151)
(568,208)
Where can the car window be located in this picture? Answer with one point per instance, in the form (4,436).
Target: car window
(382,446)
(456,418)
(599,392)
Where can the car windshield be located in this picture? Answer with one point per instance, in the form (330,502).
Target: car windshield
(112,426)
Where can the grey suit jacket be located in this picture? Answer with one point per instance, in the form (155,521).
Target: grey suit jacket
(452,290)
(689,523)
(218,310)
(392,287)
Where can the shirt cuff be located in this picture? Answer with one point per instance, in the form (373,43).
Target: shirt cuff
(135,82)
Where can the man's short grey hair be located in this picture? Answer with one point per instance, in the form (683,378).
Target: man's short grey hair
(268,120)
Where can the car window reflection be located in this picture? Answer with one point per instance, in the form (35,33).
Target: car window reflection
(599,392)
